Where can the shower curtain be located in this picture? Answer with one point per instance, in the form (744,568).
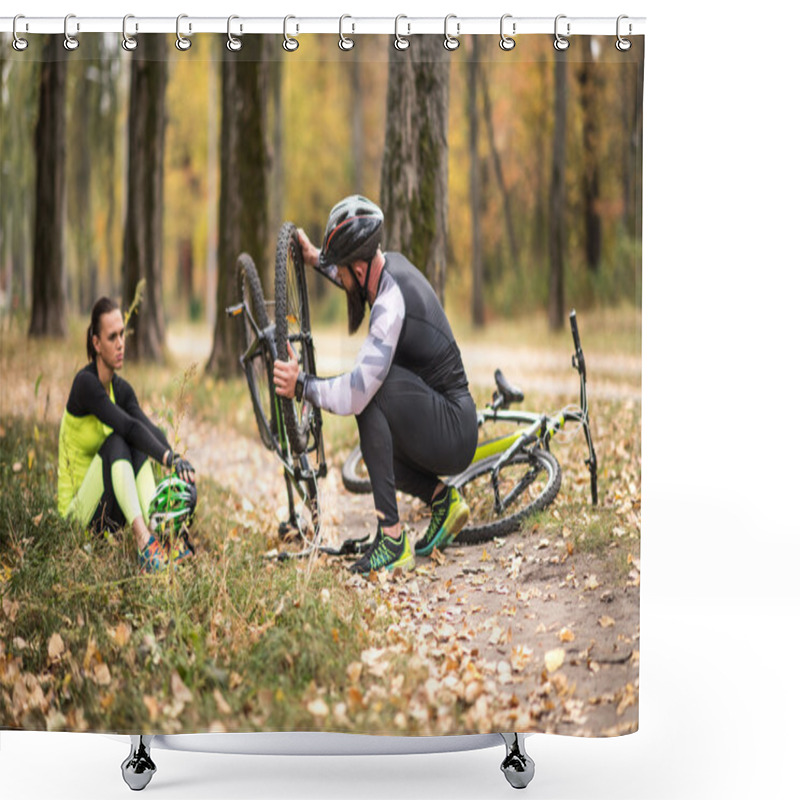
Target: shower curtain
(511,180)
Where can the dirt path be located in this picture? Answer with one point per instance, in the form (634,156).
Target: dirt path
(546,630)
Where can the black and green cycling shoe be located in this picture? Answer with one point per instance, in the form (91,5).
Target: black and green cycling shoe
(385,553)
(449,514)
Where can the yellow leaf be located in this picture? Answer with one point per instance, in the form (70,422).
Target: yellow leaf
(31,458)
(605,621)
(566,635)
(553,659)
(485,556)
(591,582)
(37,519)
(55,647)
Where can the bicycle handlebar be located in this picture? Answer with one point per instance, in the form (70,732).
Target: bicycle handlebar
(578,360)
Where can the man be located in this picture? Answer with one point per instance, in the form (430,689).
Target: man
(408,389)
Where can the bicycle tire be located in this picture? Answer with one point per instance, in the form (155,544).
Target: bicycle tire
(484,531)
(353,477)
(256,369)
(293,323)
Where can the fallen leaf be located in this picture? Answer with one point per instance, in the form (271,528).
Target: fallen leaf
(179,689)
(605,621)
(318,707)
(102,675)
(222,704)
(553,659)
(566,635)
(591,583)
(37,519)
(55,647)
(151,704)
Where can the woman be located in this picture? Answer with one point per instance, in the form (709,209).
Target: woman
(104,476)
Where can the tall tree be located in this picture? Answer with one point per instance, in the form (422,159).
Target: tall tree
(357,120)
(558,204)
(243,206)
(414,170)
(144,222)
(590,87)
(497,164)
(49,312)
(473,65)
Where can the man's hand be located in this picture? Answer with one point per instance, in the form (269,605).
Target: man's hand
(310,253)
(285,374)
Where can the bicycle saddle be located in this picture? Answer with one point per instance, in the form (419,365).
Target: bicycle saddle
(510,393)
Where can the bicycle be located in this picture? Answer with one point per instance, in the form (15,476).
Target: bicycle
(512,474)
(290,428)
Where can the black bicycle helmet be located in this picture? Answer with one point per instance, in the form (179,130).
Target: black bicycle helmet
(353,233)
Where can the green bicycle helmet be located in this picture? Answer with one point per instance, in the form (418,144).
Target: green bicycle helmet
(173,503)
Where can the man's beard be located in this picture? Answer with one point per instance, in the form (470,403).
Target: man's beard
(355,310)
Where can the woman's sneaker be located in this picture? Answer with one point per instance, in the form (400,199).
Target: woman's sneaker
(385,553)
(181,549)
(152,558)
(449,514)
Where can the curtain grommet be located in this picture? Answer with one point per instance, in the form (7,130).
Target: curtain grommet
(451,42)
(622,44)
(70,42)
(401,42)
(129,42)
(345,43)
(234,43)
(182,42)
(18,43)
(290,44)
(507,42)
(560,42)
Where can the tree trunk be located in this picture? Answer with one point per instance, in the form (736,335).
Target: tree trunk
(49,312)
(243,207)
(591,103)
(555,308)
(414,170)
(497,164)
(142,244)
(357,118)
(473,65)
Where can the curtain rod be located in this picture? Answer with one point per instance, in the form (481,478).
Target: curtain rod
(350,25)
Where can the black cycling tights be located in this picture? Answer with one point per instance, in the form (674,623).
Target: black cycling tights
(411,435)
(109,514)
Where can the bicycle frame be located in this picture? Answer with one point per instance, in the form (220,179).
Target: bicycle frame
(539,429)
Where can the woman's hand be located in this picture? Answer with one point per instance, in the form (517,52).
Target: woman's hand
(310,253)
(183,469)
(285,375)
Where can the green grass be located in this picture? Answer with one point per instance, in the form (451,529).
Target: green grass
(267,637)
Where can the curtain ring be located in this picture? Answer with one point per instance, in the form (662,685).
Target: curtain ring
(345,43)
(128,42)
(234,43)
(506,42)
(182,43)
(290,44)
(623,44)
(19,44)
(70,42)
(400,42)
(560,43)
(451,42)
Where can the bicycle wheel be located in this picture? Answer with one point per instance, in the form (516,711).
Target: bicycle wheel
(293,327)
(256,368)
(527,482)
(354,473)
